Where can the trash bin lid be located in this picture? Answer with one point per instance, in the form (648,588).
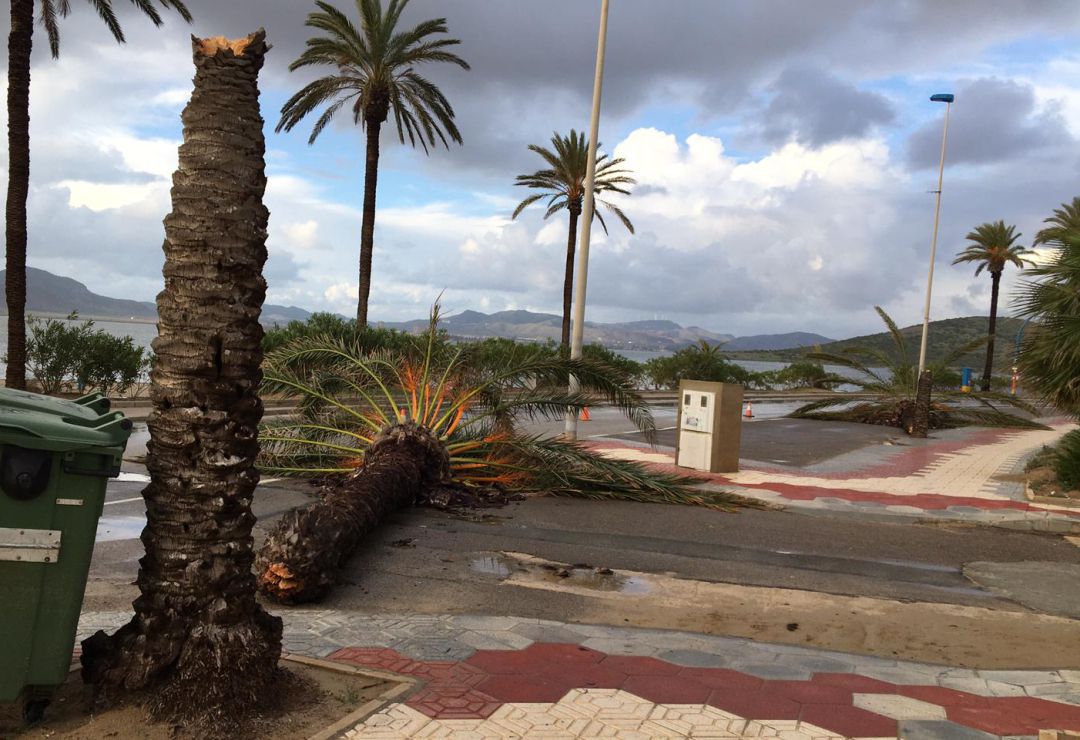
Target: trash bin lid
(43,422)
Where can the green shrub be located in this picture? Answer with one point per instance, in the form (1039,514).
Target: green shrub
(331,326)
(804,374)
(59,352)
(1067,461)
(702,361)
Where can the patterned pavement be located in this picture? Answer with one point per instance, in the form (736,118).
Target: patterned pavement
(509,677)
(959,474)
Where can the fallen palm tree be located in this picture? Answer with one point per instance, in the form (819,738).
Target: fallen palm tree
(892,377)
(429,426)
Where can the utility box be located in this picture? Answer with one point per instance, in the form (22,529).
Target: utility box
(709,429)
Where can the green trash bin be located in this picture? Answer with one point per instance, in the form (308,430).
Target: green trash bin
(55,459)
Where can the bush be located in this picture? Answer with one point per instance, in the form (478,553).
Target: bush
(805,374)
(332,326)
(699,362)
(1067,461)
(59,352)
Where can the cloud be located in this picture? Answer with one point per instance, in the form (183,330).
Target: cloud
(992,120)
(814,107)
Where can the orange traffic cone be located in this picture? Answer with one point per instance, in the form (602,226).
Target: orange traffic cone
(749,410)
(584,416)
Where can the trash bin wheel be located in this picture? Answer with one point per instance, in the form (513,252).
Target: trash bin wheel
(34,710)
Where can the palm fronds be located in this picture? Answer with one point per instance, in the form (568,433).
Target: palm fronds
(892,377)
(348,395)
(53,10)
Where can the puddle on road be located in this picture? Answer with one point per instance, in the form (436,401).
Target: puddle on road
(113,528)
(578,576)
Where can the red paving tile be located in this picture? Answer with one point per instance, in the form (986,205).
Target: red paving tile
(633,665)
(722,678)
(942,696)
(1040,709)
(996,720)
(504,661)
(753,704)
(559,652)
(806,692)
(668,689)
(856,683)
(527,688)
(584,675)
(849,721)
(469,704)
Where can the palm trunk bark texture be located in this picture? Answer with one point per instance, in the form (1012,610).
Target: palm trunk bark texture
(199,640)
(995,278)
(302,555)
(367,227)
(20,43)
(568,279)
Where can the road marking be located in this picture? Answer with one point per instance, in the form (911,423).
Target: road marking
(133,478)
(123,501)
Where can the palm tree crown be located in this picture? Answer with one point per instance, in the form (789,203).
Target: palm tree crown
(375,73)
(993,247)
(564,179)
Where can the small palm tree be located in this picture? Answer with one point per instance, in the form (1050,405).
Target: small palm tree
(893,376)
(1050,352)
(993,246)
(426,426)
(563,183)
(20,44)
(375,75)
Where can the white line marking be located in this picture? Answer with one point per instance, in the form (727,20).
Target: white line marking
(133,478)
(123,501)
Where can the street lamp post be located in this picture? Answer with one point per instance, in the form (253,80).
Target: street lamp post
(947,99)
(582,268)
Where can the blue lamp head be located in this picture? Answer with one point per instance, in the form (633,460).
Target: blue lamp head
(942,98)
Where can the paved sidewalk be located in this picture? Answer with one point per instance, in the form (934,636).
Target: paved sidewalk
(959,474)
(508,677)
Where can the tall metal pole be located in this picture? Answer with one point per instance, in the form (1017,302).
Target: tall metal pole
(933,243)
(581,271)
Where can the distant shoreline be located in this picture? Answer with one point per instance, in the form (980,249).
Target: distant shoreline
(88,317)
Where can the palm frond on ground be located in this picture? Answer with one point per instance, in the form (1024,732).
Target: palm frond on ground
(892,377)
(397,429)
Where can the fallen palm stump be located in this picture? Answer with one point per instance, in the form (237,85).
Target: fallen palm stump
(302,555)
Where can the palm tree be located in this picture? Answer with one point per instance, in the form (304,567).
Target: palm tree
(1050,353)
(198,637)
(993,246)
(374,73)
(1064,224)
(430,425)
(563,183)
(20,44)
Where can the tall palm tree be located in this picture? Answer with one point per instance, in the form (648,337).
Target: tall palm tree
(1050,353)
(20,44)
(198,637)
(563,183)
(375,74)
(993,246)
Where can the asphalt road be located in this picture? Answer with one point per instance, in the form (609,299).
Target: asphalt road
(422,558)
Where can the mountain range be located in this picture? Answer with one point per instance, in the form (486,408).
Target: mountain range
(51,294)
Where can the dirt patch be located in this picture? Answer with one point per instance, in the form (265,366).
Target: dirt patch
(947,634)
(1044,484)
(314,698)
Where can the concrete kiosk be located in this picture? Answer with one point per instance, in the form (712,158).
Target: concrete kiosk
(709,429)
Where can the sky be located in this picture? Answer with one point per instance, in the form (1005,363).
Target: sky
(785,154)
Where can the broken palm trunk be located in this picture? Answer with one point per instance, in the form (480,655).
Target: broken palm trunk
(301,557)
(199,639)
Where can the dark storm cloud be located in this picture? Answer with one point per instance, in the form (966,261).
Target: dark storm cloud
(992,120)
(815,108)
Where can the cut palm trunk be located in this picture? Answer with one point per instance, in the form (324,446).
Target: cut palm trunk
(301,557)
(199,641)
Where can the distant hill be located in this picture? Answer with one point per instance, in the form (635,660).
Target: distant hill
(945,336)
(57,295)
(792,340)
(541,327)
